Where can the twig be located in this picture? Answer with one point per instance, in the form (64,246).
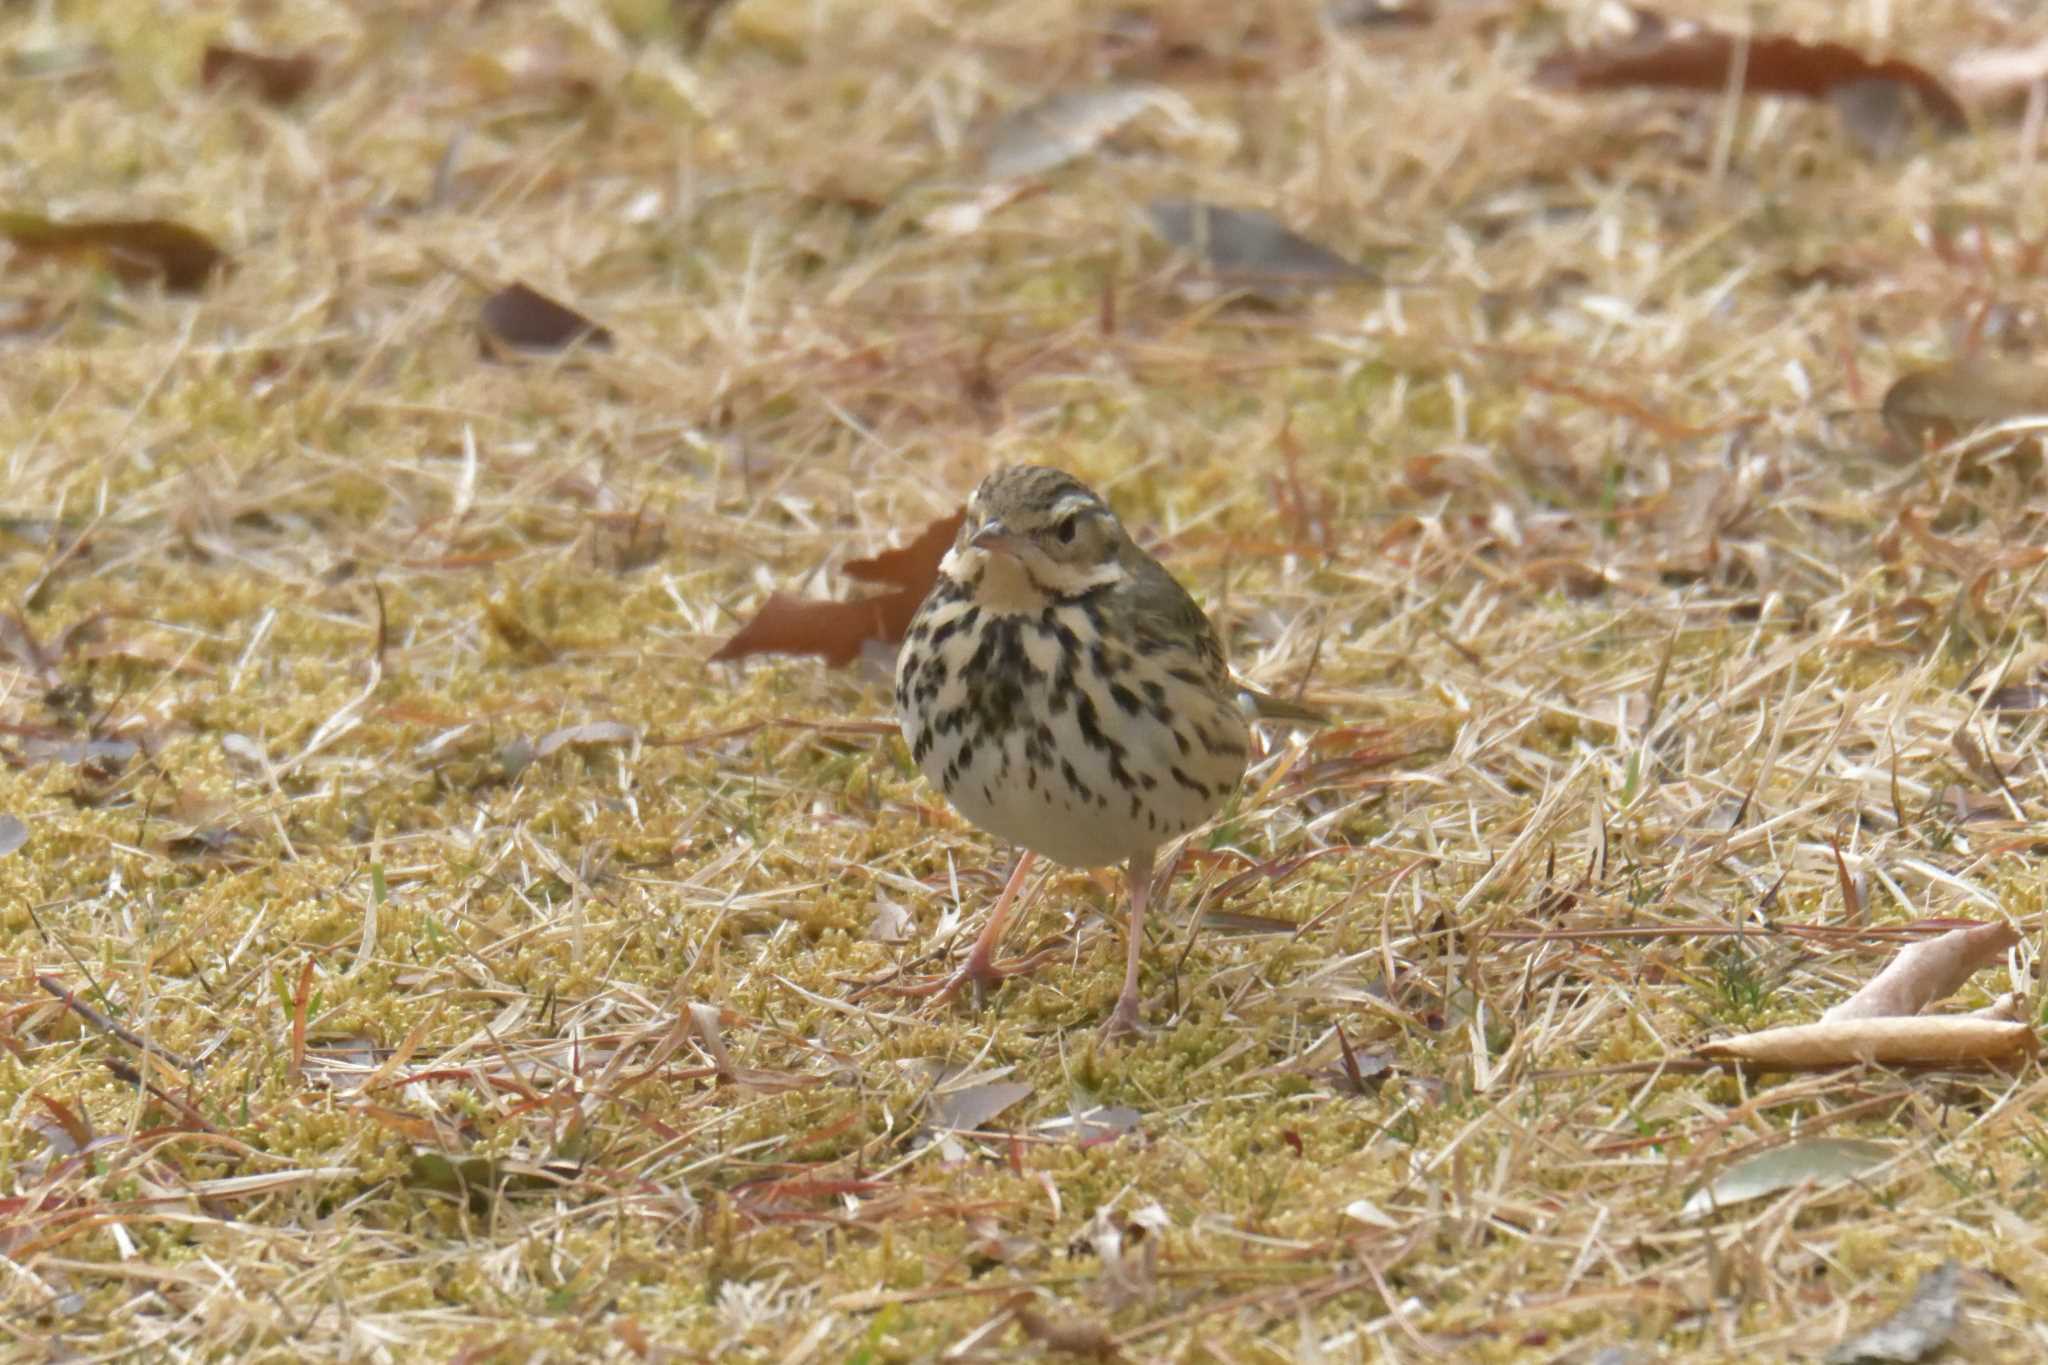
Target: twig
(107,1025)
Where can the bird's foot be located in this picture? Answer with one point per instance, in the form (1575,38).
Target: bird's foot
(1125,1021)
(983,974)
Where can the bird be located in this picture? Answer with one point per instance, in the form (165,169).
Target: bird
(1065,692)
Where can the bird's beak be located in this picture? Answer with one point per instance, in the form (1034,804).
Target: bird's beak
(995,537)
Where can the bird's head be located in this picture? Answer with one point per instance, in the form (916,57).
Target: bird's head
(1035,535)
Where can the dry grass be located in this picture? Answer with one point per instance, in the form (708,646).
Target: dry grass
(437,1046)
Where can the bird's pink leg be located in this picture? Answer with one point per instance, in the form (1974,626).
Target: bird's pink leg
(981,967)
(1126,1017)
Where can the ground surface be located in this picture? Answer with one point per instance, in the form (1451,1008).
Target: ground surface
(466,1031)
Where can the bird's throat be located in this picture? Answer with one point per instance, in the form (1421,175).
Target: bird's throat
(1006,584)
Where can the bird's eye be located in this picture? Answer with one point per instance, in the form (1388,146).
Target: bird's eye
(1065,530)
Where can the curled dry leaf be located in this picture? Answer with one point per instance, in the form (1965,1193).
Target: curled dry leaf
(1771,64)
(1247,244)
(1925,972)
(133,250)
(1919,1329)
(1910,1041)
(276,80)
(835,631)
(518,318)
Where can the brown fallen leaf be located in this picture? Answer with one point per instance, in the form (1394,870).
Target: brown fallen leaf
(276,80)
(1913,1041)
(133,250)
(1925,972)
(835,631)
(913,567)
(1689,58)
(520,319)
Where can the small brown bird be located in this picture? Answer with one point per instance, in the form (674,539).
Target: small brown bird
(1066,693)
